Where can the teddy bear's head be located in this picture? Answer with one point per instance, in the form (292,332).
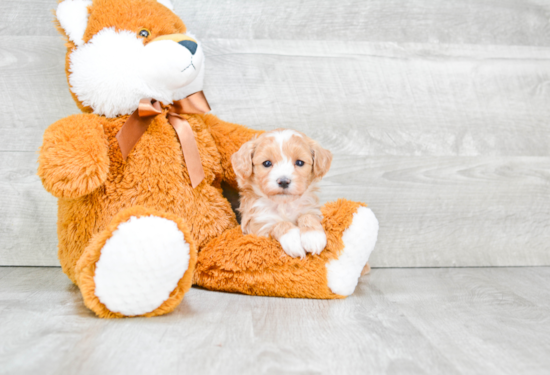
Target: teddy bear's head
(121,51)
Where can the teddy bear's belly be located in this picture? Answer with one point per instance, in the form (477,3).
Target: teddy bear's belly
(204,208)
(155,176)
(207,213)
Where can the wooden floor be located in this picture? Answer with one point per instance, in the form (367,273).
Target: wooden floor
(399,321)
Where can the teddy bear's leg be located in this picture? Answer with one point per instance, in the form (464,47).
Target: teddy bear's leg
(257,265)
(141,265)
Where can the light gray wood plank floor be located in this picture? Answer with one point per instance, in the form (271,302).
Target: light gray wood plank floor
(399,321)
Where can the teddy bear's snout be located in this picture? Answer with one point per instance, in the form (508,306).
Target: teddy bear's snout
(183,40)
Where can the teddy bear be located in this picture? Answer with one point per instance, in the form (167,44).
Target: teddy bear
(139,173)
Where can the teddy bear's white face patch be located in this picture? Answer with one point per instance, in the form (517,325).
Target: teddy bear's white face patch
(115,70)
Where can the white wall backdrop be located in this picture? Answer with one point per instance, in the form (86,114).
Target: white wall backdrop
(438,113)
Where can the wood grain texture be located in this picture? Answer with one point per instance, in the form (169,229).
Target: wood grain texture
(357,98)
(28,234)
(387,99)
(399,321)
(484,22)
(451,211)
(437,114)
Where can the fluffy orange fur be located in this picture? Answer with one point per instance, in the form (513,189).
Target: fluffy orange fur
(153,176)
(81,164)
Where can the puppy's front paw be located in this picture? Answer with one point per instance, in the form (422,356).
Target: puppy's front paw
(292,244)
(313,241)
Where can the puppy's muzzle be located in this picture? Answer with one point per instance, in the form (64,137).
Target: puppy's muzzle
(283,182)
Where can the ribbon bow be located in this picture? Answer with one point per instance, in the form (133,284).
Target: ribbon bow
(139,121)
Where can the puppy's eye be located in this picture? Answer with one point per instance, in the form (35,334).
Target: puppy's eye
(299,163)
(144,33)
(267,164)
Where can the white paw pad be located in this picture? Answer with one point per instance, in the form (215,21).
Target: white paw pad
(359,240)
(314,241)
(140,265)
(292,244)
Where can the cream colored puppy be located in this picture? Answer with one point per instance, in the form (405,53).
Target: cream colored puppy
(278,174)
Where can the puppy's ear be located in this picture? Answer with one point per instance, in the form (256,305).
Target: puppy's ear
(322,158)
(242,160)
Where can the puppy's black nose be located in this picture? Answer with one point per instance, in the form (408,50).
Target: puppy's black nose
(283,182)
(190,45)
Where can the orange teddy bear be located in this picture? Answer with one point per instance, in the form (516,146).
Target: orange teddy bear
(141,212)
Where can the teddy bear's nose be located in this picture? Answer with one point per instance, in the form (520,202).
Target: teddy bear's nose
(190,45)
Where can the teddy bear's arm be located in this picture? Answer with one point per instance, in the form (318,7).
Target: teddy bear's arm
(74,158)
(229,138)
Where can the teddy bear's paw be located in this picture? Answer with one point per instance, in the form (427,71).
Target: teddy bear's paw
(292,243)
(359,240)
(313,241)
(140,265)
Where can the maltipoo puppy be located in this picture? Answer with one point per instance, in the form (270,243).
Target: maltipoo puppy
(278,174)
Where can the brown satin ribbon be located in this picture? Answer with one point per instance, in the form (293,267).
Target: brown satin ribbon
(139,121)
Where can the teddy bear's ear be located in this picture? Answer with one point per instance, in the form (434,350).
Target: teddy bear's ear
(73,18)
(167,4)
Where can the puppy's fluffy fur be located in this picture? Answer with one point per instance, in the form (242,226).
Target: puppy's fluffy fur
(278,174)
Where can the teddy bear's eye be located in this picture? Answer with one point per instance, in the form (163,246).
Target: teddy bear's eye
(144,33)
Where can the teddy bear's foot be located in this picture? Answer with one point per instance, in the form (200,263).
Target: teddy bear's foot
(140,266)
(359,240)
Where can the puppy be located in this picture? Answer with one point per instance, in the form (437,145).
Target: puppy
(277,174)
